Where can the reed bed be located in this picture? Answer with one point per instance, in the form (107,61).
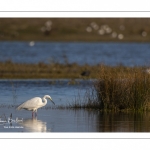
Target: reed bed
(118,88)
(123,88)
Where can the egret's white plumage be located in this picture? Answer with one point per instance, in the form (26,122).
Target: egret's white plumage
(34,103)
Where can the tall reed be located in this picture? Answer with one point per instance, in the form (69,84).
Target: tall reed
(123,88)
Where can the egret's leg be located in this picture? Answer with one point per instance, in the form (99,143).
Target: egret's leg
(32,113)
(36,113)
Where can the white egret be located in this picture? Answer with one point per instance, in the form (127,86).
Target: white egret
(34,103)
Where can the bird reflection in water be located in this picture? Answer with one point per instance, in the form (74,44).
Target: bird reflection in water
(34,125)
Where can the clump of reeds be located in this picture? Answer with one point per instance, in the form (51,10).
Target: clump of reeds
(118,88)
(88,101)
(123,88)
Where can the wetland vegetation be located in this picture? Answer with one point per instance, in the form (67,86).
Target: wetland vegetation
(114,88)
(12,70)
(118,89)
(123,89)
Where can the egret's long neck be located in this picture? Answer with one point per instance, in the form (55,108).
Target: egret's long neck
(44,101)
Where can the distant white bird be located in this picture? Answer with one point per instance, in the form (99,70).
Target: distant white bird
(34,103)
(147,71)
(32,43)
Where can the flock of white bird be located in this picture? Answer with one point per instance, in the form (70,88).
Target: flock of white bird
(105,29)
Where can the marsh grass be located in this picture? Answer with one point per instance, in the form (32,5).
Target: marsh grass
(14,93)
(53,70)
(88,101)
(123,88)
(117,89)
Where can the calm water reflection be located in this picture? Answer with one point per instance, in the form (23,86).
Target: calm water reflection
(68,120)
(88,121)
(34,125)
(124,122)
(57,120)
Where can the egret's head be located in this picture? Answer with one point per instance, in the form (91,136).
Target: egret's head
(47,96)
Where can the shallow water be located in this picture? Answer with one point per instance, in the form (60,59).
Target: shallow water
(65,92)
(67,120)
(128,54)
(62,91)
(53,119)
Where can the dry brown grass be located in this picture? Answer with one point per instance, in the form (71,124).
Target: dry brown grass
(123,88)
(73,29)
(12,70)
(118,89)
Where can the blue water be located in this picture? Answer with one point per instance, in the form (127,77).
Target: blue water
(128,54)
(51,118)
(55,119)
(63,92)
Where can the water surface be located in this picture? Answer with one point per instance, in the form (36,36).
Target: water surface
(54,119)
(65,92)
(68,120)
(128,54)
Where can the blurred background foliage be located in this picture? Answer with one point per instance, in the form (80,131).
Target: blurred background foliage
(75,29)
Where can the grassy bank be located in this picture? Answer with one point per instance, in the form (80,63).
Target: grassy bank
(75,29)
(10,70)
(118,89)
